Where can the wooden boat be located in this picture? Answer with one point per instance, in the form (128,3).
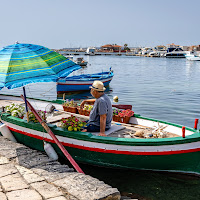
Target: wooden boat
(179,151)
(83,82)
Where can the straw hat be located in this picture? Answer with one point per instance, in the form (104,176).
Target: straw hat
(98,85)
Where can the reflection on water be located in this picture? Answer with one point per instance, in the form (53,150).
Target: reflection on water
(165,89)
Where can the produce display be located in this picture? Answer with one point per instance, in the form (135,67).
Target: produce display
(32,117)
(15,110)
(70,103)
(88,107)
(122,115)
(72,123)
(126,113)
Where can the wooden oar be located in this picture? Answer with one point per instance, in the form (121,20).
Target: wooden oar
(68,156)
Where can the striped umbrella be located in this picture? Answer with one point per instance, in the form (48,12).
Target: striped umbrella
(22,64)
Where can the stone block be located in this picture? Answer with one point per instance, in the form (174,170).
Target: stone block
(3,160)
(31,160)
(25,194)
(7,169)
(29,175)
(59,198)
(5,143)
(13,182)
(85,187)
(46,190)
(3,196)
(13,152)
(52,171)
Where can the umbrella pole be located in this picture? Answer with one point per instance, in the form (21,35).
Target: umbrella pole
(24,91)
(62,148)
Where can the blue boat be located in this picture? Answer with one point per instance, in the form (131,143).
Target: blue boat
(83,82)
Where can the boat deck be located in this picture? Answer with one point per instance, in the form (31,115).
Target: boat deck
(129,130)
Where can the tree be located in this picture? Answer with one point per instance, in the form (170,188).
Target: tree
(126,47)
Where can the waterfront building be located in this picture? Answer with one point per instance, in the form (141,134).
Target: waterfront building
(111,48)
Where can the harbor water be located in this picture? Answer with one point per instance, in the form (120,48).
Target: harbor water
(160,88)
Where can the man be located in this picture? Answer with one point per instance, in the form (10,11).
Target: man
(101,114)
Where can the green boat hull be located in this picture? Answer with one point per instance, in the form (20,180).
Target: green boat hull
(187,161)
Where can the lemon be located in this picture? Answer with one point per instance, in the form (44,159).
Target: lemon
(70,128)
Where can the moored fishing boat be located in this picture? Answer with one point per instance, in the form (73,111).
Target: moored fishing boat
(83,82)
(178,151)
(81,62)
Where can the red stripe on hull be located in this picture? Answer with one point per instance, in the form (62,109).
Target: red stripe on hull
(106,150)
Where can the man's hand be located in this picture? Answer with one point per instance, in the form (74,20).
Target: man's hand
(82,104)
(88,101)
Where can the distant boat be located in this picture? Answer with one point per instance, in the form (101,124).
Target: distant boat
(83,82)
(192,56)
(90,51)
(81,62)
(175,53)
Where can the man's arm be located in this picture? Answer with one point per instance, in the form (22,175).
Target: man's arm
(88,101)
(102,125)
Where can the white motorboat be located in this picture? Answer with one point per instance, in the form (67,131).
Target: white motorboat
(192,56)
(90,51)
(175,53)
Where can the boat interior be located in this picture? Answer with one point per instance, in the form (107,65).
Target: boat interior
(136,128)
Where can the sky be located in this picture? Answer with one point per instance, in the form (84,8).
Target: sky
(81,23)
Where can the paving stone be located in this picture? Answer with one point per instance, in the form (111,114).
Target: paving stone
(7,169)
(31,160)
(59,198)
(13,152)
(13,182)
(9,144)
(3,160)
(74,185)
(25,194)
(55,166)
(46,190)
(29,175)
(10,149)
(52,171)
(85,187)
(3,196)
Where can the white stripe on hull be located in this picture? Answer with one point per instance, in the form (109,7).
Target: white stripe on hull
(81,82)
(162,148)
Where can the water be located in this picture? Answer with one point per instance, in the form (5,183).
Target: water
(166,89)
(160,88)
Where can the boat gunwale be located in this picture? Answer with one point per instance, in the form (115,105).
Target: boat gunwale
(88,77)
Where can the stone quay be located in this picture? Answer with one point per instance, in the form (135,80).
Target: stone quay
(26,174)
